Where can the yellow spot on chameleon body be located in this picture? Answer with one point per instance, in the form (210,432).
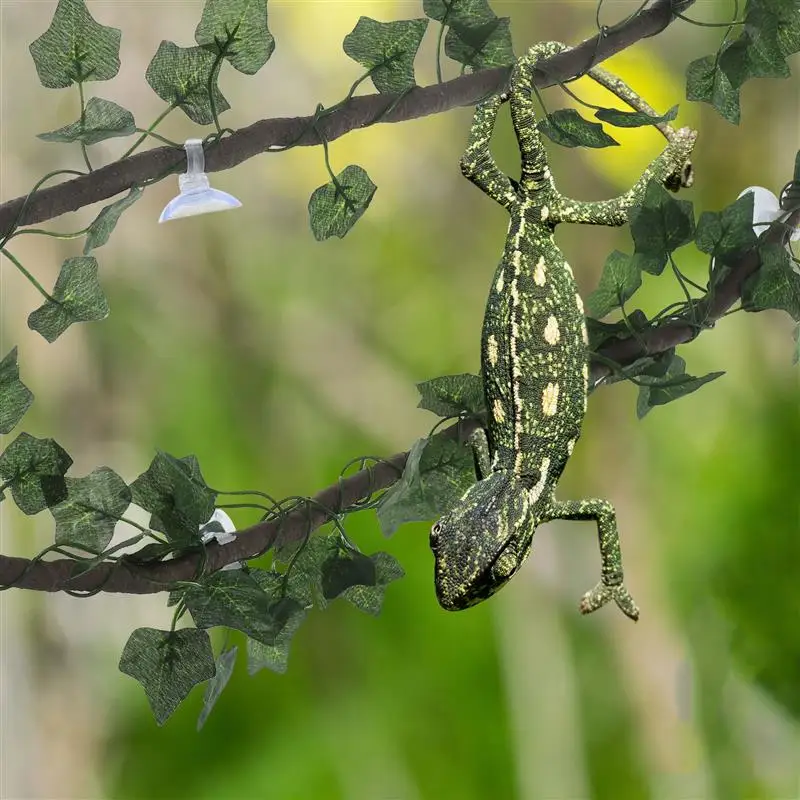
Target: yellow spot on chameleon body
(579,302)
(568,268)
(491,350)
(545,213)
(550,399)
(499,285)
(571,446)
(538,272)
(551,331)
(497,411)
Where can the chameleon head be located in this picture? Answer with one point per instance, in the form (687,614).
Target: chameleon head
(481,542)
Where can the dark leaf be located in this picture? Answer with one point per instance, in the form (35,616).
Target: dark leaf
(569,129)
(707,83)
(107,219)
(620,279)
(480,44)
(224,669)
(335,207)
(729,231)
(26,462)
(633,119)
(102,120)
(664,386)
(453,395)
(15,396)
(775,285)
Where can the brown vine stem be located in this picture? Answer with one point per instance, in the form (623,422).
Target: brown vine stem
(358,112)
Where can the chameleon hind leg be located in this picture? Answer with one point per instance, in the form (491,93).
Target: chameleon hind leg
(477,164)
(610,586)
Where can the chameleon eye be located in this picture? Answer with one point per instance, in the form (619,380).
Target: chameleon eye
(435,530)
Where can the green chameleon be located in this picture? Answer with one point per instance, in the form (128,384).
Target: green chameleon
(534,360)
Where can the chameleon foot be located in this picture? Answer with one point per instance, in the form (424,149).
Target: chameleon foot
(602,594)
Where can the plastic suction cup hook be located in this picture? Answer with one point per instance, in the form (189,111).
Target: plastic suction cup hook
(197,196)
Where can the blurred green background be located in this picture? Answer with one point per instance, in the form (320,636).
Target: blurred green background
(276,359)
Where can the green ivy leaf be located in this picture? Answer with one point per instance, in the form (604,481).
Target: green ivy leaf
(345,569)
(437,474)
(463,11)
(667,381)
(27,464)
(100,230)
(775,285)
(569,129)
(453,395)
(233,599)
(174,492)
(335,207)
(167,664)
(482,45)
(179,76)
(102,120)
(76,297)
(91,510)
(656,365)
(224,669)
(15,396)
(620,279)
(633,119)
(660,225)
(75,48)
(707,83)
(796,349)
(727,231)
(388,50)
(369,597)
(241,27)
(602,332)
(755,54)
(290,615)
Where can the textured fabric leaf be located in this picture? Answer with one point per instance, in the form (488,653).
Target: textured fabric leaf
(369,597)
(102,120)
(727,231)
(75,48)
(78,297)
(29,461)
(346,569)
(569,129)
(174,492)
(240,26)
(665,385)
(660,225)
(224,669)
(335,207)
(179,76)
(167,664)
(464,11)
(633,119)
(774,285)
(707,83)
(620,279)
(437,473)
(233,599)
(602,332)
(15,396)
(388,49)
(100,230)
(480,45)
(91,509)
(453,395)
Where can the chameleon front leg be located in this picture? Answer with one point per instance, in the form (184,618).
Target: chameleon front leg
(480,452)
(669,166)
(611,586)
(477,164)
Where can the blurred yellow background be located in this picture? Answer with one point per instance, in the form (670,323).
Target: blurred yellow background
(276,359)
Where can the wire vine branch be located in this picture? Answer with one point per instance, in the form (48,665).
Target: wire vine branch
(358,112)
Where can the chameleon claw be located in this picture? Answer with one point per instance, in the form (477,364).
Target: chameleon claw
(602,594)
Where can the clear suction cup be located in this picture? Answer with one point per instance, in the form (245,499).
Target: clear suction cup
(197,196)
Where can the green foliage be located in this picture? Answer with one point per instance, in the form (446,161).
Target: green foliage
(569,129)
(387,49)
(774,285)
(77,297)
(224,669)
(460,11)
(168,664)
(75,48)
(771,33)
(174,492)
(336,206)
(601,333)
(237,30)
(666,381)
(480,46)
(633,119)
(29,466)
(101,120)
(15,396)
(437,473)
(100,230)
(93,506)
(729,230)
(180,76)
(620,279)
(453,395)
(660,225)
